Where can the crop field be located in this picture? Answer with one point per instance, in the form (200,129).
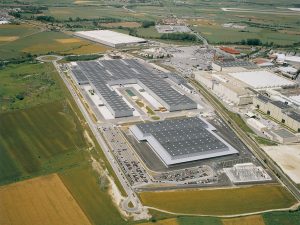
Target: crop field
(269,218)
(51,138)
(121,24)
(88,49)
(8,38)
(42,42)
(67,40)
(39,140)
(91,12)
(150,32)
(220,201)
(17,30)
(282,218)
(43,200)
(185,220)
(248,220)
(84,185)
(172,221)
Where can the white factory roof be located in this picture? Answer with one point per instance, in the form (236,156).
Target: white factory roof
(111,37)
(295,99)
(4,21)
(262,79)
(256,124)
(288,69)
(293,58)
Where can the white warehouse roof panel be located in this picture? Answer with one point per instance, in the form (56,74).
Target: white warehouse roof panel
(110,38)
(262,79)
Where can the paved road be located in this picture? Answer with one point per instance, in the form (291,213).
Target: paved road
(43,58)
(252,145)
(138,207)
(205,43)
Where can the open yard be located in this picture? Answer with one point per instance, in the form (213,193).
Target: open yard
(220,201)
(43,200)
(288,158)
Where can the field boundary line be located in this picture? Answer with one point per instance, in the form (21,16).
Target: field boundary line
(293,207)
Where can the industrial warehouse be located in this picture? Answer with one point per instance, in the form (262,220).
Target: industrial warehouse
(104,74)
(182,140)
(278,110)
(237,85)
(110,38)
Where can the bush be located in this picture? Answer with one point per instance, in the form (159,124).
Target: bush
(20,96)
(46,18)
(82,57)
(179,36)
(147,23)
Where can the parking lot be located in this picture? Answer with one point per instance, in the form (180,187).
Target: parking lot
(128,162)
(196,175)
(188,59)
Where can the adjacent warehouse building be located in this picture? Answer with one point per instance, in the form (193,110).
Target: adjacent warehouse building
(110,38)
(226,87)
(182,140)
(284,136)
(258,79)
(278,110)
(228,65)
(105,73)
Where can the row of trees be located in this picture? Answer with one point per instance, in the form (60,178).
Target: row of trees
(82,57)
(179,36)
(26,58)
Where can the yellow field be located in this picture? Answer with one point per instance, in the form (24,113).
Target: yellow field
(123,24)
(202,22)
(43,200)
(220,201)
(83,2)
(172,221)
(8,38)
(248,220)
(68,40)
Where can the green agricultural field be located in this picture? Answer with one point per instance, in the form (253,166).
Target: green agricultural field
(184,220)
(39,140)
(44,42)
(220,35)
(83,184)
(90,12)
(26,85)
(149,32)
(282,218)
(220,201)
(18,31)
